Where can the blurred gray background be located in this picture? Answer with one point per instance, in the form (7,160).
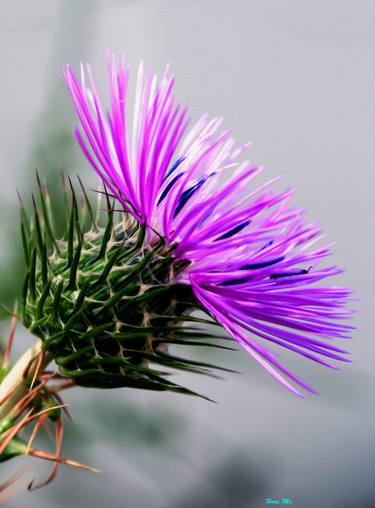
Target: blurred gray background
(296,77)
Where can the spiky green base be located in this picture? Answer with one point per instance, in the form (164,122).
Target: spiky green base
(103,300)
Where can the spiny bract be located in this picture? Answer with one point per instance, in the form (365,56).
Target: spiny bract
(105,304)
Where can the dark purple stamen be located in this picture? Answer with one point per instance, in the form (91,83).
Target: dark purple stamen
(168,188)
(174,167)
(303,271)
(186,195)
(233,231)
(262,264)
(268,244)
(232,282)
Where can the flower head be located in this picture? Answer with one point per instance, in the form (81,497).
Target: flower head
(251,258)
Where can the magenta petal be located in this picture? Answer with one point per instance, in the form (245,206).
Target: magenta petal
(255,263)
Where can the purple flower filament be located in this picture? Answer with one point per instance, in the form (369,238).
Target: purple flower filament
(254,264)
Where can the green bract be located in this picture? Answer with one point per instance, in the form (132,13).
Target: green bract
(103,299)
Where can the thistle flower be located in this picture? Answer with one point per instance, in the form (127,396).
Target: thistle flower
(242,253)
(179,226)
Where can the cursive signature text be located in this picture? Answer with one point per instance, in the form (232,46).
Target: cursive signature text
(284,500)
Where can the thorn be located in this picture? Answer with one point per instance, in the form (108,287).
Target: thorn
(48,430)
(42,299)
(69,462)
(38,368)
(28,366)
(9,434)
(59,430)
(12,329)
(35,431)
(46,373)
(20,200)
(12,479)
(38,179)
(24,402)
(64,406)
(10,312)
(45,412)
(74,265)
(103,193)
(46,210)
(5,492)
(87,201)
(32,269)
(98,203)
(65,193)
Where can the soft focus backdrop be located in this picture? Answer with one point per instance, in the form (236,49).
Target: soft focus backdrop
(297,78)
